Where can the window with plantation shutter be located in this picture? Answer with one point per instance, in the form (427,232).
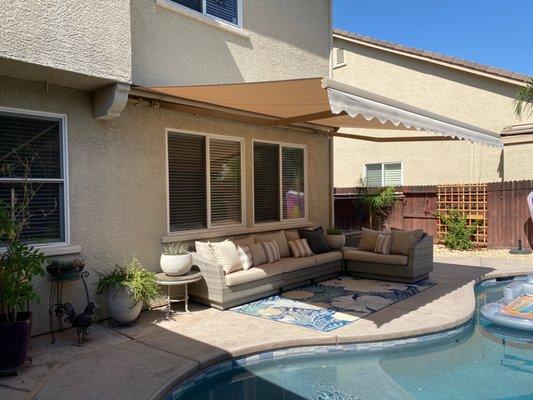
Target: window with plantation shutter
(32,168)
(225,172)
(293,183)
(266,182)
(384,174)
(279,182)
(204,181)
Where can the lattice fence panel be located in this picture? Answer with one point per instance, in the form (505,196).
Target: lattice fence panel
(471,201)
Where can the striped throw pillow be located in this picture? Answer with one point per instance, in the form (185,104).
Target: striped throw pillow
(246,257)
(383,244)
(300,248)
(271,251)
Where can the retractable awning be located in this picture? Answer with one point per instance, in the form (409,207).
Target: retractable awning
(316,103)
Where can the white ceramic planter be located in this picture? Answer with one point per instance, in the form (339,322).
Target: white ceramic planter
(336,241)
(121,306)
(176,265)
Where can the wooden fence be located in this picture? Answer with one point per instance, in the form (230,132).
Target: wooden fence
(504,209)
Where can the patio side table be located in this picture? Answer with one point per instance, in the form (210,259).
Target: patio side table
(162,279)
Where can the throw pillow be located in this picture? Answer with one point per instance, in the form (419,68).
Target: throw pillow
(225,253)
(383,244)
(203,249)
(368,239)
(271,251)
(279,238)
(258,254)
(291,235)
(315,239)
(245,256)
(300,248)
(402,241)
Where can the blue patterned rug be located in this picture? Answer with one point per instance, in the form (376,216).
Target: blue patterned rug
(331,304)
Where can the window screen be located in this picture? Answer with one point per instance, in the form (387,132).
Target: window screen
(266,182)
(225,173)
(293,183)
(31,167)
(186,182)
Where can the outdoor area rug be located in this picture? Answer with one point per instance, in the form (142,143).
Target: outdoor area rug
(331,304)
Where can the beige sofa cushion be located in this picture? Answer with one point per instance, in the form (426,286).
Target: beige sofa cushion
(295,264)
(292,235)
(331,256)
(279,238)
(203,249)
(371,257)
(255,273)
(369,239)
(402,241)
(245,241)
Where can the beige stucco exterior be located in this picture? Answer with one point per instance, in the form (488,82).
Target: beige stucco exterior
(279,40)
(467,97)
(68,42)
(117,177)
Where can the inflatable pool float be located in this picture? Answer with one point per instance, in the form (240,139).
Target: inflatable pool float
(515,310)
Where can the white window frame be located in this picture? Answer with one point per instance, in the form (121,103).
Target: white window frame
(64,168)
(203,15)
(383,170)
(210,227)
(275,224)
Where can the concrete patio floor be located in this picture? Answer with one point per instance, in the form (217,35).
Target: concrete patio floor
(146,360)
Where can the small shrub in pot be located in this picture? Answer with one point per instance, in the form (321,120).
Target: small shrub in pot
(127,287)
(176,260)
(335,238)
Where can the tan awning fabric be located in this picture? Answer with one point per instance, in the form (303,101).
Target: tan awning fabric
(319,101)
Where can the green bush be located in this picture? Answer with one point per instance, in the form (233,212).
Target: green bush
(333,231)
(460,234)
(132,275)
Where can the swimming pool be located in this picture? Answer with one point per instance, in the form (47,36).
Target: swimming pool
(476,361)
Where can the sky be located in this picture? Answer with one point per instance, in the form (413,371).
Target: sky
(494,32)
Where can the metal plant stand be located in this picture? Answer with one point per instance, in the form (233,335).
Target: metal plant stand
(55,298)
(162,279)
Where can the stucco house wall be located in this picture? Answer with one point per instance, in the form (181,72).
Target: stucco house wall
(279,40)
(477,100)
(117,178)
(66,42)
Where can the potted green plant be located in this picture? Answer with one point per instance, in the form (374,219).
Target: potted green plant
(176,260)
(127,287)
(19,264)
(335,238)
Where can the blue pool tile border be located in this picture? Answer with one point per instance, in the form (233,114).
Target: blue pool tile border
(307,351)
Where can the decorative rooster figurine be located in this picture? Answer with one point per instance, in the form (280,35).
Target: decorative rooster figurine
(80,321)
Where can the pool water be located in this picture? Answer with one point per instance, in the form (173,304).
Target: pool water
(486,362)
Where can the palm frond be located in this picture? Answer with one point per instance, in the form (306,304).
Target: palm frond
(524,99)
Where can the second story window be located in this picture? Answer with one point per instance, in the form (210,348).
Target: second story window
(225,10)
(384,174)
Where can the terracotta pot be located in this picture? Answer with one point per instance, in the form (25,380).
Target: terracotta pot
(14,342)
(176,265)
(122,308)
(336,242)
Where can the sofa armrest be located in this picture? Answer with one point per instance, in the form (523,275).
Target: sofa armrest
(212,273)
(422,251)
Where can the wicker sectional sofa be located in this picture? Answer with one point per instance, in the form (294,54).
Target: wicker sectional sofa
(410,268)
(222,291)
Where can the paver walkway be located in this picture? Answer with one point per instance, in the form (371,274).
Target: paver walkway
(147,359)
